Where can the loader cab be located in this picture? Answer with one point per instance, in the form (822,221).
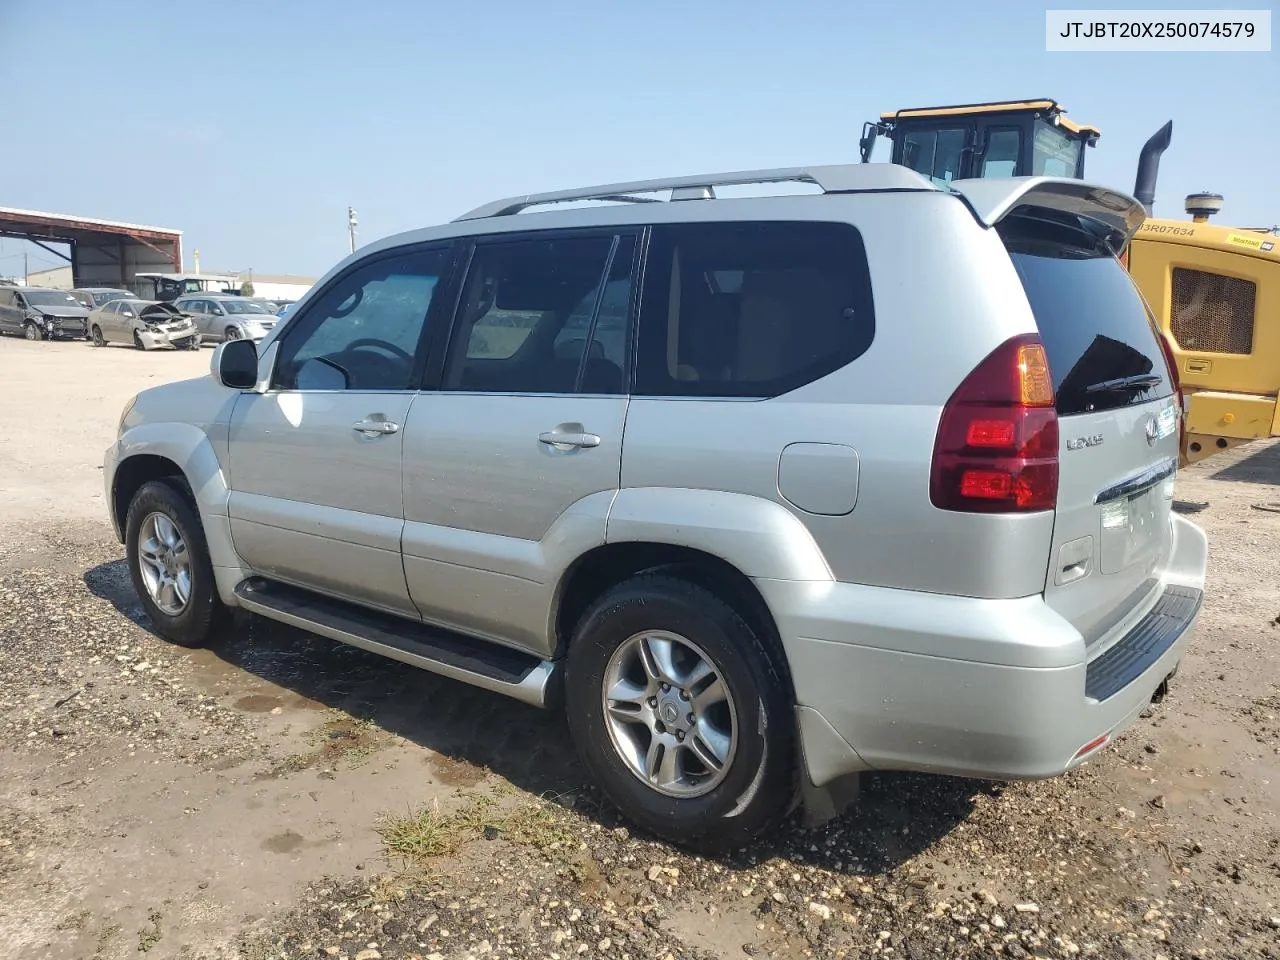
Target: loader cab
(1006,139)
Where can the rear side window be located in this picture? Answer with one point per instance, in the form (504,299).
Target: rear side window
(1098,335)
(748,309)
(1212,313)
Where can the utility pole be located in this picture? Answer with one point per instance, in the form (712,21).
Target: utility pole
(26,274)
(351,227)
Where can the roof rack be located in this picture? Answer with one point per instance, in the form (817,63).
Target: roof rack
(837,178)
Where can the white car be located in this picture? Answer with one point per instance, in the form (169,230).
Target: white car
(146,324)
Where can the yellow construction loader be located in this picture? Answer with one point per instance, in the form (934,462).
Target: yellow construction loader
(1215,290)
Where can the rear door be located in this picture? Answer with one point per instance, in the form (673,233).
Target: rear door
(1118,426)
(510,466)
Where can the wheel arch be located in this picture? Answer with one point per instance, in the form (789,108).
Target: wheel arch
(610,564)
(181,451)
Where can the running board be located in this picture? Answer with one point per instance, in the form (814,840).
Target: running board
(478,662)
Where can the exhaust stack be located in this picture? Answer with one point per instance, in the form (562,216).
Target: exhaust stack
(1144,185)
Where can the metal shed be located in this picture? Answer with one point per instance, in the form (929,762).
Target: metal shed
(104,253)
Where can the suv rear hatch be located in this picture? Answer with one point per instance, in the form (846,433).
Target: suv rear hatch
(1118,420)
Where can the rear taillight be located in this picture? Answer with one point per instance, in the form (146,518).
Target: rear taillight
(997,444)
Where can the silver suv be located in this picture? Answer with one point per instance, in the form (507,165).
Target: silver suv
(765,492)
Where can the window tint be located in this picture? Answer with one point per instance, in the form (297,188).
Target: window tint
(6,298)
(526,316)
(1099,337)
(363,332)
(1001,158)
(751,309)
(1211,312)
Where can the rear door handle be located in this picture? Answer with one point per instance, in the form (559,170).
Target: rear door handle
(374,428)
(557,439)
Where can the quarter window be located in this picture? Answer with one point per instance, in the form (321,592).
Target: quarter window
(751,309)
(363,332)
(543,316)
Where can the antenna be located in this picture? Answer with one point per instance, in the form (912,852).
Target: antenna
(352,222)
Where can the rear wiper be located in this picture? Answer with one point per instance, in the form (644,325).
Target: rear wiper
(1139,381)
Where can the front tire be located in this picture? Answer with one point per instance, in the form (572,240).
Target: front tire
(32,332)
(96,335)
(232,333)
(169,565)
(682,712)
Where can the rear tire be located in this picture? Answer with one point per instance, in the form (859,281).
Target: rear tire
(189,617)
(96,335)
(748,794)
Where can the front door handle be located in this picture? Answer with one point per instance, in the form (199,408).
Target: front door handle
(375,428)
(557,439)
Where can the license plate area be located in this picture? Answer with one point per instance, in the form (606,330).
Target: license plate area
(1132,529)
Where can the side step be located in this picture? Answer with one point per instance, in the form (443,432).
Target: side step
(478,662)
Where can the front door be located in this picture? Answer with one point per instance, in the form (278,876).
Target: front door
(315,461)
(512,464)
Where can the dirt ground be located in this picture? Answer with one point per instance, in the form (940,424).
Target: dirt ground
(281,796)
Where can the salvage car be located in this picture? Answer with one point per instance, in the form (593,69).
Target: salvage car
(227,317)
(94,297)
(42,313)
(146,324)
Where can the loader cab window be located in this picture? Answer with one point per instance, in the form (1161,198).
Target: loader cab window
(1055,154)
(1004,148)
(935,154)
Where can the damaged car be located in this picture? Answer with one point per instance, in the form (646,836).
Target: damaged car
(145,324)
(40,313)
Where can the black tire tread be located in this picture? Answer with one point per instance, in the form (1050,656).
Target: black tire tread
(208,613)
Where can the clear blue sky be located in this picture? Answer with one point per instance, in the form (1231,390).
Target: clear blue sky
(252,126)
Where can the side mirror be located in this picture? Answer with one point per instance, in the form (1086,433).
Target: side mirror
(235,364)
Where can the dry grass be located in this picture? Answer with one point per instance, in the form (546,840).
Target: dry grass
(428,832)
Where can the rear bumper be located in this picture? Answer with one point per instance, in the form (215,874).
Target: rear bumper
(993,689)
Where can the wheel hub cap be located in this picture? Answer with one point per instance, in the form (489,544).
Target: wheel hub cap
(670,714)
(164,564)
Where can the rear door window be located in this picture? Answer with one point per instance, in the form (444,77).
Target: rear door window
(1098,334)
(751,309)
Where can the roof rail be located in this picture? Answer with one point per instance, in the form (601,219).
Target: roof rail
(836,178)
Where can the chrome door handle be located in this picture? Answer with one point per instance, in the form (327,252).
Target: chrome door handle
(373,428)
(556,439)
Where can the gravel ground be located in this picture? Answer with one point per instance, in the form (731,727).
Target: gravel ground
(286,797)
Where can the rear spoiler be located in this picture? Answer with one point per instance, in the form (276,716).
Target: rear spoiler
(991,200)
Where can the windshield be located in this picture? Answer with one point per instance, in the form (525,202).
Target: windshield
(1056,154)
(244,306)
(50,298)
(106,296)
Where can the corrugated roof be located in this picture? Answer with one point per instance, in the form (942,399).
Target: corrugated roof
(72,221)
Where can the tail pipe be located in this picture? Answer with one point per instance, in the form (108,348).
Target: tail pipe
(1144,185)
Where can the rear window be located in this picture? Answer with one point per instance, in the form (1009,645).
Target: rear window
(1101,343)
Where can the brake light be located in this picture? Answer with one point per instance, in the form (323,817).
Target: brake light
(997,444)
